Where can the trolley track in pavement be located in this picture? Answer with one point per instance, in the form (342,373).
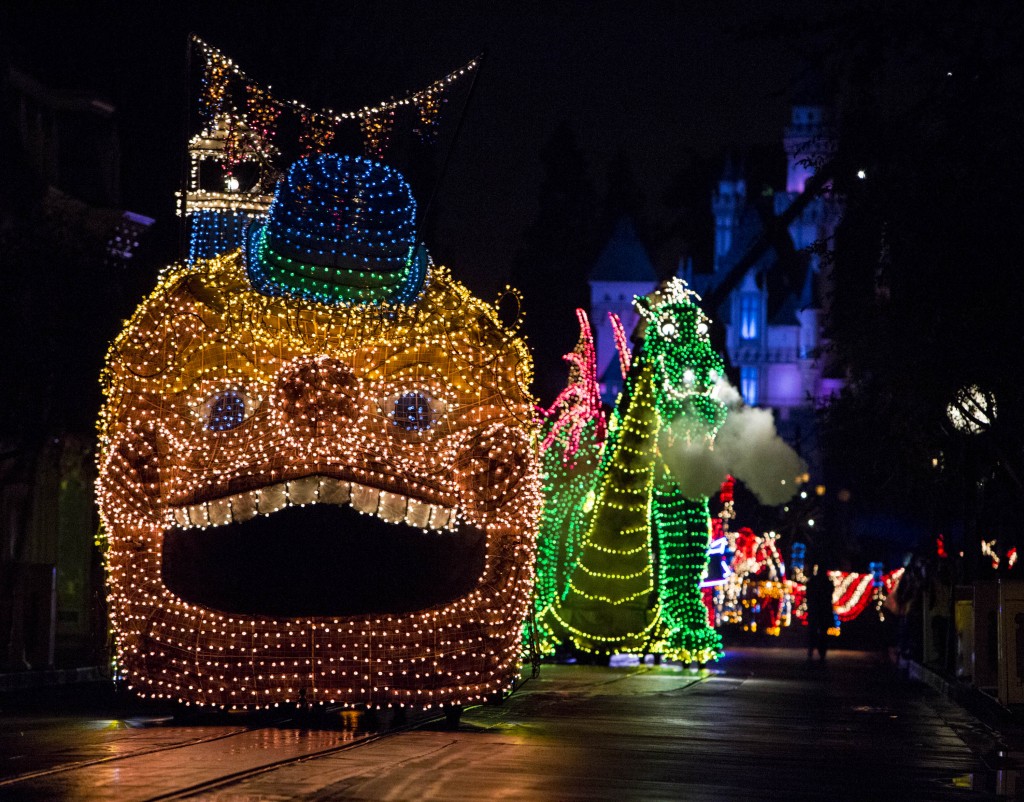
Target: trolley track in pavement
(198,748)
(238,777)
(247,774)
(81,764)
(264,747)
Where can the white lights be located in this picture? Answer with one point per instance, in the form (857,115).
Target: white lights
(223,405)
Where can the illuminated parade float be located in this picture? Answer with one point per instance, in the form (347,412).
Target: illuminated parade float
(322,477)
(318,476)
(628,558)
(622,549)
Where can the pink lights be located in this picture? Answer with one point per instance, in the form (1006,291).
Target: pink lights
(580,402)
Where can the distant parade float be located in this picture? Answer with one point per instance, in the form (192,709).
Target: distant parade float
(628,558)
(622,550)
(318,477)
(750,588)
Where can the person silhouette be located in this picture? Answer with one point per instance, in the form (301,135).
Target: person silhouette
(820,614)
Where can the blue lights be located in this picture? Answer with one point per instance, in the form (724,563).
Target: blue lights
(340,230)
(215,232)
(412,412)
(798,556)
(226,412)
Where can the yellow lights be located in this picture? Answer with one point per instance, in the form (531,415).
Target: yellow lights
(227,411)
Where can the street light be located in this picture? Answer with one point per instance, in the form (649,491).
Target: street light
(973,410)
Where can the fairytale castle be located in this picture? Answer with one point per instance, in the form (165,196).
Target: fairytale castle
(773,318)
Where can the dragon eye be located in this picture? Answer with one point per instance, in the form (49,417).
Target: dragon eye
(667,328)
(412,411)
(227,410)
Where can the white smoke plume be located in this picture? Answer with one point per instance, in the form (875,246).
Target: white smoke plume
(747,446)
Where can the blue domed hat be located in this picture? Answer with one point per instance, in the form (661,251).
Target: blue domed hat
(341,229)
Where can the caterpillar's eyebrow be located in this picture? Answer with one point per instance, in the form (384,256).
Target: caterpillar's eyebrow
(213,361)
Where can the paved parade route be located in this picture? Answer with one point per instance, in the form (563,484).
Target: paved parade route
(763,724)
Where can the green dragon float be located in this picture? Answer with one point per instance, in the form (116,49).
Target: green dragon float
(621,550)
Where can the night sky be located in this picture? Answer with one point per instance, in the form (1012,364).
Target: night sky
(662,82)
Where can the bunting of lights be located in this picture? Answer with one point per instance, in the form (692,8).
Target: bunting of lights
(316,133)
(262,112)
(226,88)
(429,107)
(376,130)
(235,159)
(314,495)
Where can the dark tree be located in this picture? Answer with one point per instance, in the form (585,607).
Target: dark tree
(928,286)
(557,252)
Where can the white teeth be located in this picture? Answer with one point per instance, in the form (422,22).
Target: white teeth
(390,507)
(418,514)
(303,491)
(334,492)
(198,515)
(439,517)
(365,499)
(243,506)
(271,499)
(219,511)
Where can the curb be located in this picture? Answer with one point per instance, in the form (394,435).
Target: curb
(985,707)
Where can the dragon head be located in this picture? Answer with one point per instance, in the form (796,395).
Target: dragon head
(687,369)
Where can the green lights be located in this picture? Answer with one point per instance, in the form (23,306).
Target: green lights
(621,551)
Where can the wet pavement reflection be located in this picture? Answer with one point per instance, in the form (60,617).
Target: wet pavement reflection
(761,724)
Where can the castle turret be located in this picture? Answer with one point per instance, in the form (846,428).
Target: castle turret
(807,139)
(623,270)
(727,205)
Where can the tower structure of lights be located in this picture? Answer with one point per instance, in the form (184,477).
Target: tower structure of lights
(231,183)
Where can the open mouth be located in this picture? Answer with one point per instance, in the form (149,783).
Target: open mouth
(302,548)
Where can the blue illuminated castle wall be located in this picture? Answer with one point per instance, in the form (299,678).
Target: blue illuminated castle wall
(773,319)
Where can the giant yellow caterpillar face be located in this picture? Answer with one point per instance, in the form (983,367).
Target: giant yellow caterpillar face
(298,495)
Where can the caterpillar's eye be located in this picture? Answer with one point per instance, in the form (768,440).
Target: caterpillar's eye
(225,410)
(667,329)
(413,411)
